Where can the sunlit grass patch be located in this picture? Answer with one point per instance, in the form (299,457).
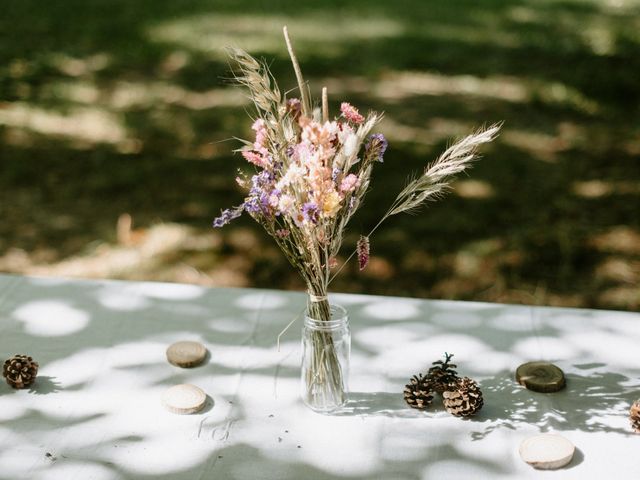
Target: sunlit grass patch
(320,33)
(601,188)
(85,124)
(129,112)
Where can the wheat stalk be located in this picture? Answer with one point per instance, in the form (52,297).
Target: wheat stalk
(256,76)
(435,179)
(437,176)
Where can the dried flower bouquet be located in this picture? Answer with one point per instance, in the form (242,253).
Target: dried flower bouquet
(312,174)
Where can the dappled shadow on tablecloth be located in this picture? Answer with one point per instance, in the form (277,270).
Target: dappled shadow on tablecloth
(106,370)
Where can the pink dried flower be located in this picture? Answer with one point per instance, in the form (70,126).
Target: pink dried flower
(254,157)
(349,183)
(260,144)
(363,252)
(351,113)
(333,262)
(282,233)
(258,125)
(319,137)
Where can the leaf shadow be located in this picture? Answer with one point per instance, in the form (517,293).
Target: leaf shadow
(45,385)
(383,404)
(586,404)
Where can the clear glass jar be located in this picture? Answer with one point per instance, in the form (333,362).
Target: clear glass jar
(326,350)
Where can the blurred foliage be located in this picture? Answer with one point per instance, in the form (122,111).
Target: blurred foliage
(115,108)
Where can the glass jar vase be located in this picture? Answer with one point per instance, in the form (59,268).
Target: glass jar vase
(326,350)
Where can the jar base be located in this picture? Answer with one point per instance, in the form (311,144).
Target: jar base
(326,410)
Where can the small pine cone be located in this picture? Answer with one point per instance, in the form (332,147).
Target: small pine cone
(442,374)
(20,371)
(418,392)
(634,416)
(463,398)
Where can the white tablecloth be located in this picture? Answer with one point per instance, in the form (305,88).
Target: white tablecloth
(95,411)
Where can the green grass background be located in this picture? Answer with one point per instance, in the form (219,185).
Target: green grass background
(112,107)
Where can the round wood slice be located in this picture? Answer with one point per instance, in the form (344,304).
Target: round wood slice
(184,399)
(540,377)
(186,354)
(547,451)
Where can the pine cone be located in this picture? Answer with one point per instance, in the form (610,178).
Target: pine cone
(463,398)
(418,392)
(442,373)
(20,371)
(634,416)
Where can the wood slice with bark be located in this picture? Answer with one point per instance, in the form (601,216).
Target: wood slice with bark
(540,377)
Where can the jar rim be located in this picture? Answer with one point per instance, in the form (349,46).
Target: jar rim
(339,317)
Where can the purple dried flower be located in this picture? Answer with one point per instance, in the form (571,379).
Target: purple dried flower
(310,212)
(260,183)
(277,166)
(335,173)
(227,215)
(262,194)
(252,205)
(376,146)
(289,151)
(363,252)
(264,201)
(262,179)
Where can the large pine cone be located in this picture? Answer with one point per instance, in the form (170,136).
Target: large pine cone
(463,398)
(20,371)
(418,392)
(443,373)
(634,416)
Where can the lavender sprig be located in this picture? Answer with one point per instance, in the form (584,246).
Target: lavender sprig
(227,215)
